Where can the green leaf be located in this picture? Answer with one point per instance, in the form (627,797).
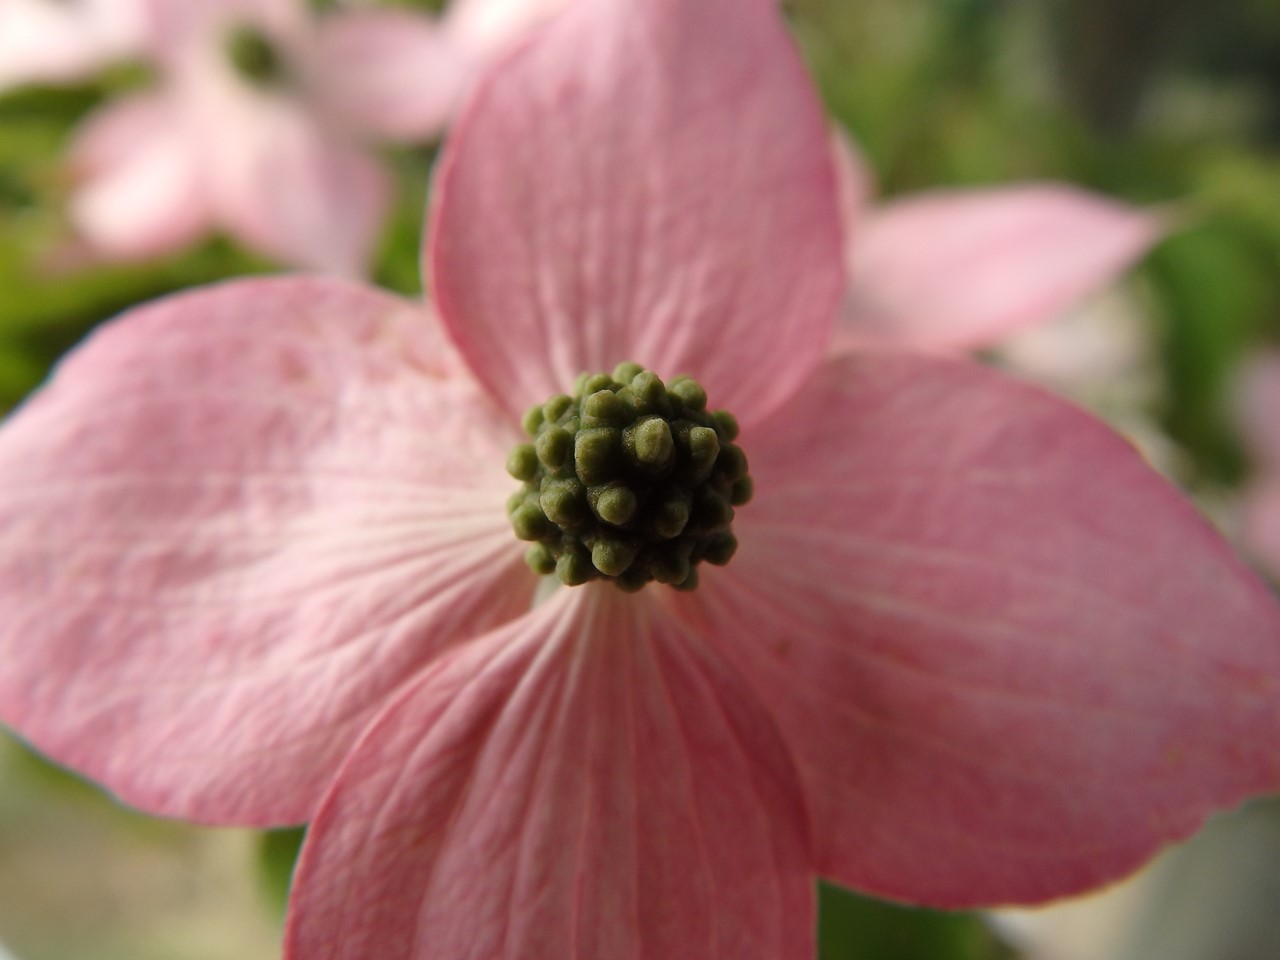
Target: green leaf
(855,927)
(1215,294)
(277,853)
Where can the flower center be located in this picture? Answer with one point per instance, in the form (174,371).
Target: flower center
(254,56)
(630,480)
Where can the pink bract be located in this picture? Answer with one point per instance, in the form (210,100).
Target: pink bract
(962,269)
(257,570)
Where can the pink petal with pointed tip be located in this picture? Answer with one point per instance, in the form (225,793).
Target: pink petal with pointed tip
(234,523)
(389,73)
(1010,661)
(138,192)
(961,269)
(587,782)
(646,181)
(295,189)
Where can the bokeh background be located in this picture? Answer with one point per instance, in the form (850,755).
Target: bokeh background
(1170,103)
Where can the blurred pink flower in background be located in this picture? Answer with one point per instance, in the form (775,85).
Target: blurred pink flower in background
(59,41)
(1259,511)
(261,122)
(257,569)
(234,138)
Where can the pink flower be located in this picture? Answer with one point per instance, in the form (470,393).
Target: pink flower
(1259,520)
(258,129)
(58,41)
(963,269)
(257,570)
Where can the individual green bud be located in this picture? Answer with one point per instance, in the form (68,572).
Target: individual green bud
(616,504)
(626,371)
(727,424)
(711,511)
(595,453)
(612,557)
(670,566)
(604,407)
(553,446)
(671,517)
(532,420)
(650,394)
(704,447)
(556,407)
(651,443)
(689,392)
(732,462)
(539,559)
(522,462)
(690,582)
(720,549)
(564,502)
(529,522)
(596,383)
(742,491)
(573,567)
(632,581)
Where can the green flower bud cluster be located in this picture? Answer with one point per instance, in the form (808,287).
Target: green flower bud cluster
(254,56)
(630,480)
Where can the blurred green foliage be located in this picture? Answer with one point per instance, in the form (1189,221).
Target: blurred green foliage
(277,853)
(854,927)
(84,878)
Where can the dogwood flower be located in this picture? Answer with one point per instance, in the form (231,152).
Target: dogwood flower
(258,129)
(257,566)
(59,41)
